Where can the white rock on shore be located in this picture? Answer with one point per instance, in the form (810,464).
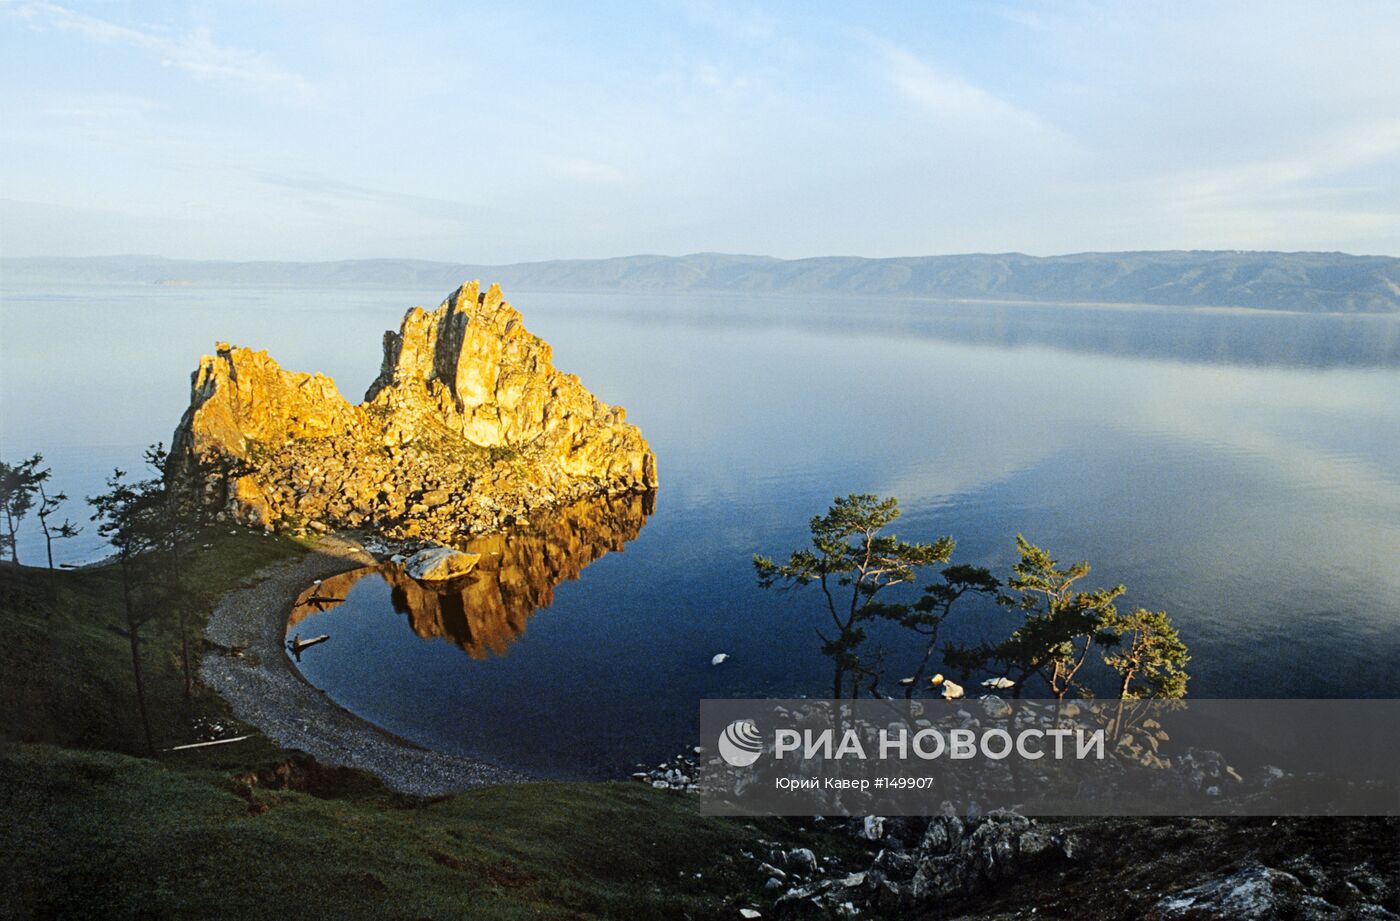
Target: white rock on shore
(438,564)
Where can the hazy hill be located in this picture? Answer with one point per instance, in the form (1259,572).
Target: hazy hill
(1314,282)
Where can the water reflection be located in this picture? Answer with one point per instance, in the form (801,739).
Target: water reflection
(1200,335)
(487,610)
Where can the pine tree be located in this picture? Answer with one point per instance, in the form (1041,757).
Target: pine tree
(1150,657)
(852,560)
(1061,623)
(18,485)
(64,530)
(129,516)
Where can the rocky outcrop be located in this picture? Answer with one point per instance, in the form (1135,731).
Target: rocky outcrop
(468,428)
(919,863)
(957,857)
(1002,866)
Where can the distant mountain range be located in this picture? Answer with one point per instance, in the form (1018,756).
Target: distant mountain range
(1307,282)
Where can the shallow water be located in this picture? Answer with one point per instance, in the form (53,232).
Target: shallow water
(1241,471)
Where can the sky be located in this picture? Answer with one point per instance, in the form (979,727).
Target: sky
(495,133)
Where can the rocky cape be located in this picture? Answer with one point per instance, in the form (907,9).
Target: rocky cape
(469,428)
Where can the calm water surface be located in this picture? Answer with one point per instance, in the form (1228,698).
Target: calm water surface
(1241,471)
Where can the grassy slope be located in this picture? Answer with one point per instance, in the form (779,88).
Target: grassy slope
(65,670)
(98,834)
(90,831)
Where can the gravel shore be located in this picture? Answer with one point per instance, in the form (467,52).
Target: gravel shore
(251,670)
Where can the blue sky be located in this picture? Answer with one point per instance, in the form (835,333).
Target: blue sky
(508,132)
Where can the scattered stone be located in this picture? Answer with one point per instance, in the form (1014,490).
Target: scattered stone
(678,774)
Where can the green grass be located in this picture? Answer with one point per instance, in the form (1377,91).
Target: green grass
(105,835)
(65,669)
(234,831)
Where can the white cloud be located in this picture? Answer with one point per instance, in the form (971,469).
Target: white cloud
(947,96)
(1354,147)
(195,53)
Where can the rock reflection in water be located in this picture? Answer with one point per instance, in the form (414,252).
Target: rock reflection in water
(487,610)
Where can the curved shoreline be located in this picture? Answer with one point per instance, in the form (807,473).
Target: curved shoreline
(250,669)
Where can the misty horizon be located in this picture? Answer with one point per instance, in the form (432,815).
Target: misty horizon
(1306,282)
(686,254)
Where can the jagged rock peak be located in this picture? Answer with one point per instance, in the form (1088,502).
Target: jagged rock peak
(481,374)
(467,427)
(458,346)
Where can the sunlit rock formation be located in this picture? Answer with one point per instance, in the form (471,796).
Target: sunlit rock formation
(487,610)
(468,428)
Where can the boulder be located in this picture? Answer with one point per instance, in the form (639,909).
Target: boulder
(1253,893)
(440,564)
(803,859)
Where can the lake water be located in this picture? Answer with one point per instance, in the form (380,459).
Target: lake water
(1241,471)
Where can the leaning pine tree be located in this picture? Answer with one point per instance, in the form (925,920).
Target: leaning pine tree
(129,515)
(176,525)
(18,485)
(1061,622)
(852,560)
(62,530)
(1150,657)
